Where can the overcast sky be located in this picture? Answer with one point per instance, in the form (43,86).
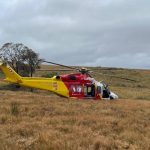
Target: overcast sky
(114,33)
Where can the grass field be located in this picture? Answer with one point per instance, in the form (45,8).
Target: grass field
(41,120)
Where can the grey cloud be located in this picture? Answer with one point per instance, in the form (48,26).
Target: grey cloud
(88,32)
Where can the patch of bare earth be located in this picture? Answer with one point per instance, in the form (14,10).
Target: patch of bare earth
(40,121)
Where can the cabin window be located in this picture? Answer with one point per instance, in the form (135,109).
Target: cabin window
(89,91)
(72,77)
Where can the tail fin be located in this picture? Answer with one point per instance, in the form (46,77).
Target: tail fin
(10,74)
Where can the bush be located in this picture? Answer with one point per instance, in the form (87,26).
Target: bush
(50,75)
(14,109)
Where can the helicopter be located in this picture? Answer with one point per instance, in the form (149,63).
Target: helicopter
(80,85)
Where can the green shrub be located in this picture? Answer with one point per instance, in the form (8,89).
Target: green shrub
(14,108)
(49,75)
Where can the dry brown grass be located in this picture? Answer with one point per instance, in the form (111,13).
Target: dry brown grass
(42,120)
(49,122)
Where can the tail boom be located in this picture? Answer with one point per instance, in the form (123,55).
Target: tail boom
(50,84)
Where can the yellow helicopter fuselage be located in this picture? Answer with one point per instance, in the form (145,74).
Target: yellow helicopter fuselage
(51,84)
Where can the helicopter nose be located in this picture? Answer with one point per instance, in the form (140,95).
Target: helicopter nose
(113,95)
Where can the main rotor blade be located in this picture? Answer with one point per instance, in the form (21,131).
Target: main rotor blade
(54,69)
(59,64)
(124,78)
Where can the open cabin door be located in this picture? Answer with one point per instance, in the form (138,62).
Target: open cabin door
(89,90)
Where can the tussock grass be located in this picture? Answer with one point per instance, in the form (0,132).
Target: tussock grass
(14,108)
